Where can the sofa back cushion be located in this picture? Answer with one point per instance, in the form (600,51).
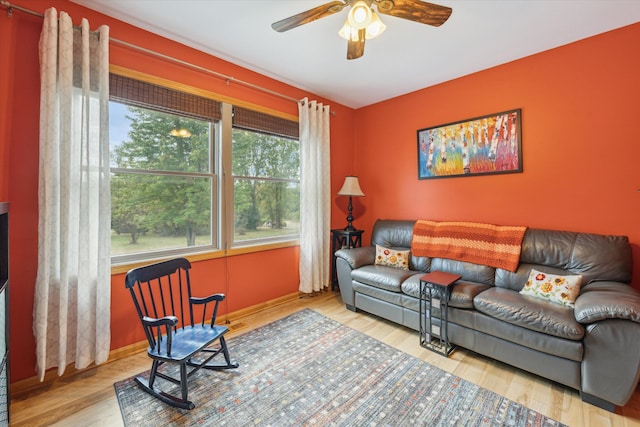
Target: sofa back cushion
(392,233)
(594,256)
(471,272)
(397,234)
(516,280)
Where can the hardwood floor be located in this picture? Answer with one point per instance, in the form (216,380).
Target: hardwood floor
(87,398)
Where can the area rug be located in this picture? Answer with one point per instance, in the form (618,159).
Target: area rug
(309,370)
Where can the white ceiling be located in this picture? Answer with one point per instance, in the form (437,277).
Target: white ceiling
(409,56)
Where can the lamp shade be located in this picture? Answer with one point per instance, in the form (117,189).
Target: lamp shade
(351,187)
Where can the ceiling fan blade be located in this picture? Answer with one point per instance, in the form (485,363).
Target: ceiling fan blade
(308,16)
(415,10)
(355,49)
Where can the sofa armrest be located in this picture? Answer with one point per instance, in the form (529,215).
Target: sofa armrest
(346,261)
(611,363)
(357,257)
(610,367)
(607,300)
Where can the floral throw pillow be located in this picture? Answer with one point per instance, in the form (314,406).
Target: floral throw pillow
(559,289)
(392,257)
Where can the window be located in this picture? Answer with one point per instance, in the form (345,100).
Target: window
(167,195)
(164,186)
(266,177)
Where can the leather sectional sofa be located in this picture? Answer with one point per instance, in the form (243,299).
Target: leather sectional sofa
(592,346)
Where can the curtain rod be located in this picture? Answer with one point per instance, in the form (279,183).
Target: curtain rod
(10,7)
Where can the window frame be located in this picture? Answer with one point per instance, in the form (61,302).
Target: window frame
(212,175)
(230,224)
(222,217)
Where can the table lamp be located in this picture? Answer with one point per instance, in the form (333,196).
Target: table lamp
(351,187)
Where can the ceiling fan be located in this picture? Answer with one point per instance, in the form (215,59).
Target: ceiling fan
(363,23)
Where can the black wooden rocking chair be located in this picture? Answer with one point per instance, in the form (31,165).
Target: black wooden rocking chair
(162,295)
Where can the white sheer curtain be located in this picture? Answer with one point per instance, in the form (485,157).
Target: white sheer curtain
(72,297)
(315,196)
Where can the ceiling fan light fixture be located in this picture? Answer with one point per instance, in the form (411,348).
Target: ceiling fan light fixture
(360,15)
(365,24)
(348,33)
(375,28)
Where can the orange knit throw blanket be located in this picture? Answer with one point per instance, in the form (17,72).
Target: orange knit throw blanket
(493,245)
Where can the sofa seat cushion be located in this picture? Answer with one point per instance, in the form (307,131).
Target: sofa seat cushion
(411,286)
(528,312)
(395,298)
(382,277)
(472,319)
(462,293)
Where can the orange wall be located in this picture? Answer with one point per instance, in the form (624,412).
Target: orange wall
(580,106)
(246,279)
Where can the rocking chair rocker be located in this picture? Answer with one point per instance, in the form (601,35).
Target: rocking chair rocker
(162,295)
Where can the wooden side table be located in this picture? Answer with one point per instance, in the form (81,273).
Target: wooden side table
(342,238)
(435,292)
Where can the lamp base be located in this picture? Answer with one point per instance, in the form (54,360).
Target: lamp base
(349,226)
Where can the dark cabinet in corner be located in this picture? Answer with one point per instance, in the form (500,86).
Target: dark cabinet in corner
(4,313)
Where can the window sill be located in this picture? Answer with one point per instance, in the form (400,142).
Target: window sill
(201,256)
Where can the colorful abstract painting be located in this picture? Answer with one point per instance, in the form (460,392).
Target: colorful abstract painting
(484,145)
